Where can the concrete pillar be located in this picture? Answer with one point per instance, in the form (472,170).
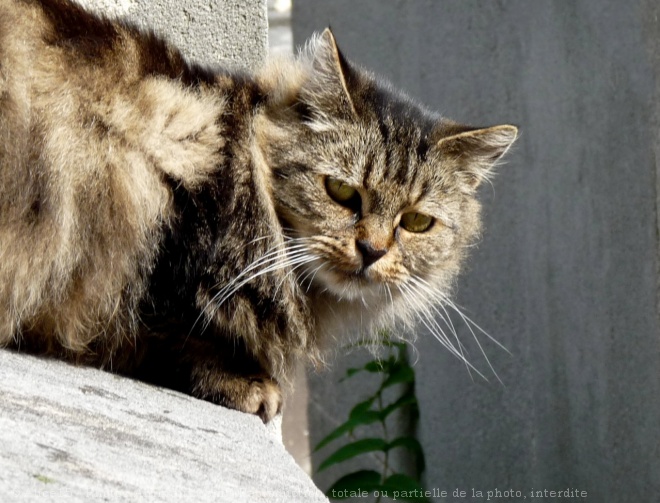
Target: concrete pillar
(231,33)
(566,275)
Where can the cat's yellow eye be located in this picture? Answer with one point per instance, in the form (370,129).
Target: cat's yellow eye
(342,193)
(416,222)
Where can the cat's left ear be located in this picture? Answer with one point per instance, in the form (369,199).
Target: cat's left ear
(476,151)
(326,89)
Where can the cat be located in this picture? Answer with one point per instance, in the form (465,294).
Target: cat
(204,229)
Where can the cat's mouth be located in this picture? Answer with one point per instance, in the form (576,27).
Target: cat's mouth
(351,283)
(347,276)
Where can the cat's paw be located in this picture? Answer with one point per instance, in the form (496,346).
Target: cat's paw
(257,395)
(260,396)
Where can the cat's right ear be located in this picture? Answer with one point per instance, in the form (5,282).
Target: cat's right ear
(474,152)
(325,90)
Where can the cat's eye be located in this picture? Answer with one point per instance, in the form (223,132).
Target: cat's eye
(343,193)
(416,222)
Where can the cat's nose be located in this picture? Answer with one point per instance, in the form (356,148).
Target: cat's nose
(369,253)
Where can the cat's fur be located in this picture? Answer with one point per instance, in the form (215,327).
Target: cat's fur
(170,222)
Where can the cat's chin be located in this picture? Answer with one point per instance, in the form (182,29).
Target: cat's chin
(353,286)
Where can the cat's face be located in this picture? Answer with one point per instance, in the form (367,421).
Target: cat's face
(373,213)
(377,190)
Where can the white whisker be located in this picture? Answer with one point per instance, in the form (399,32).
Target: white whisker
(444,317)
(301,258)
(435,328)
(280,256)
(293,269)
(312,273)
(444,299)
(429,322)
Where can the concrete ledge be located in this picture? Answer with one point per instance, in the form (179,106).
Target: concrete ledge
(77,434)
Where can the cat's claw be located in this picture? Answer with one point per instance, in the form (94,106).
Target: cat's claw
(271,401)
(257,395)
(263,398)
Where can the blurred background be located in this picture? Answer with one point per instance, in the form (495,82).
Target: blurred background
(566,274)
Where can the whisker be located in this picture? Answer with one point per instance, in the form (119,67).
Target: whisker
(220,298)
(293,269)
(433,327)
(476,339)
(468,322)
(273,255)
(280,250)
(296,259)
(466,318)
(444,317)
(311,272)
(420,311)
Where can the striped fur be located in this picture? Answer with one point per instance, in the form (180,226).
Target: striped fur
(171,222)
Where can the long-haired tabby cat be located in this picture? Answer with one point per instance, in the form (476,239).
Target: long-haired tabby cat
(205,229)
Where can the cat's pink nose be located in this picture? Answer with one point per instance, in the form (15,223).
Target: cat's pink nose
(369,253)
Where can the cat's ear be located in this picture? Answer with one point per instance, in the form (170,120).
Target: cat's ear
(325,90)
(474,152)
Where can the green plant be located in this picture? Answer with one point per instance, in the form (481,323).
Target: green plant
(43,478)
(394,370)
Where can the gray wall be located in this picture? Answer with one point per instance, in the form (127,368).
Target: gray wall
(229,32)
(566,275)
(78,434)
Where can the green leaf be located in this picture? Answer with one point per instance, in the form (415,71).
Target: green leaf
(413,445)
(365,417)
(406,399)
(375,366)
(362,414)
(354,449)
(408,489)
(401,373)
(401,346)
(363,480)
(361,409)
(350,373)
(340,430)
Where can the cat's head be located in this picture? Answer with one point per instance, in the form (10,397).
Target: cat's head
(378,190)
